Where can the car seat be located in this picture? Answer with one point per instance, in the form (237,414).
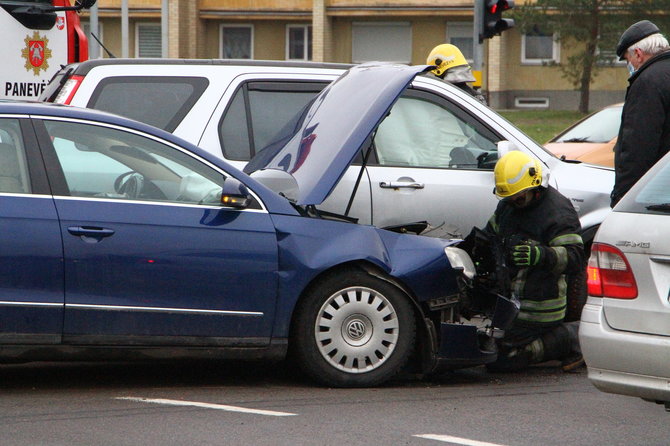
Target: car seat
(462,158)
(10,169)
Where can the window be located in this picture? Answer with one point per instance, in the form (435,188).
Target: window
(101,162)
(261,113)
(422,133)
(237,42)
(608,57)
(460,34)
(390,42)
(160,101)
(299,42)
(13,167)
(148,40)
(538,48)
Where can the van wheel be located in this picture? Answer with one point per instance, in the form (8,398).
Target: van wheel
(354,330)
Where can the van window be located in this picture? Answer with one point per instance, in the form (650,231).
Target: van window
(159,101)
(258,113)
(419,132)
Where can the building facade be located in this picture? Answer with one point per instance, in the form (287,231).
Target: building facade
(518,71)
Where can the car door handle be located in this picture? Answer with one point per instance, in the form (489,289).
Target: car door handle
(90,231)
(400,184)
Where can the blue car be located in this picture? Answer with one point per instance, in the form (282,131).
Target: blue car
(121,241)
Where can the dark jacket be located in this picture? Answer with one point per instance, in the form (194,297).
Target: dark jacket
(644,135)
(552,222)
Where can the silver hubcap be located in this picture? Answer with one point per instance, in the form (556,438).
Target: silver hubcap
(356,330)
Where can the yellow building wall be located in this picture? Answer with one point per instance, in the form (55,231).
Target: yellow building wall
(541,77)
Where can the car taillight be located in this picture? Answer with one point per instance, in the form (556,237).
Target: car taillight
(68,90)
(609,274)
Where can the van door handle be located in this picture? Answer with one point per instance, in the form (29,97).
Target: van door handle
(401,184)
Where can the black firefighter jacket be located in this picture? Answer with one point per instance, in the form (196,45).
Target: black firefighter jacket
(550,221)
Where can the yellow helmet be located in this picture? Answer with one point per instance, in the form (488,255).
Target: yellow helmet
(516,172)
(445,56)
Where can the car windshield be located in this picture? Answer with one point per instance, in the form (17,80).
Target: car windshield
(602,126)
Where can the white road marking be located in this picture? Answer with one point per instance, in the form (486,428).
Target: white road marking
(456,440)
(271,413)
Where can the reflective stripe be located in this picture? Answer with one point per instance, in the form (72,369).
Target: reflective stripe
(551,304)
(545,311)
(561,259)
(493,223)
(524,170)
(567,239)
(554,316)
(519,282)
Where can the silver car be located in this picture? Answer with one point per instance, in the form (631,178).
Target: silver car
(625,327)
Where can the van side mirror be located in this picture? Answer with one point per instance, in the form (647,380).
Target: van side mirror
(234,194)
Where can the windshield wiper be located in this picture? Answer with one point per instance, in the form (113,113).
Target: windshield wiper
(663,207)
(583,139)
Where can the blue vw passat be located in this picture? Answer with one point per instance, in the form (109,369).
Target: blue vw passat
(120,240)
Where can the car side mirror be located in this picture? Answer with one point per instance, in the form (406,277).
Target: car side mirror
(234,194)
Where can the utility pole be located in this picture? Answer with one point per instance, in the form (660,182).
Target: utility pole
(164,28)
(124,28)
(477,44)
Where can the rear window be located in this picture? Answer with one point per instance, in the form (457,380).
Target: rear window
(159,101)
(651,194)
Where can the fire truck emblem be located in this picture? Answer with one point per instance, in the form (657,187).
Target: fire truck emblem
(36,53)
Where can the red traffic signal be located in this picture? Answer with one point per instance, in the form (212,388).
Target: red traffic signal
(492,22)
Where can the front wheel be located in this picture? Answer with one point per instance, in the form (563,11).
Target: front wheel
(354,330)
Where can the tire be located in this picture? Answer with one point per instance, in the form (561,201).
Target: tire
(353,330)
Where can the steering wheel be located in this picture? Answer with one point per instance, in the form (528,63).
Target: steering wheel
(129,184)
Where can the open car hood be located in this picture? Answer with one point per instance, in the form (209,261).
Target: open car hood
(334,127)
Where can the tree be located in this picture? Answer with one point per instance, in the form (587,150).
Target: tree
(593,27)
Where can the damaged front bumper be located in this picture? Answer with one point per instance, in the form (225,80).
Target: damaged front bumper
(471,342)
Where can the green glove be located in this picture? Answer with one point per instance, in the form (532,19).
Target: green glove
(527,255)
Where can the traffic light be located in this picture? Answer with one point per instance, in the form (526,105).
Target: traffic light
(492,22)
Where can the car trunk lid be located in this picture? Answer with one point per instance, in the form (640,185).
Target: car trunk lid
(648,253)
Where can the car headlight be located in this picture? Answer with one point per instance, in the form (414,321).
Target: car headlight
(460,261)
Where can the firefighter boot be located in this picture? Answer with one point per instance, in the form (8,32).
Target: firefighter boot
(558,344)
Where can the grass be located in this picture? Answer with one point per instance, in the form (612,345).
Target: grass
(542,125)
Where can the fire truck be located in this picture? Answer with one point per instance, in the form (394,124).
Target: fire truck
(38,36)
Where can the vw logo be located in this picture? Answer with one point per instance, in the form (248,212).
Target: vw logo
(356,329)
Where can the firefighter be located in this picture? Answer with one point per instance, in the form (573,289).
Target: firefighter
(451,67)
(538,231)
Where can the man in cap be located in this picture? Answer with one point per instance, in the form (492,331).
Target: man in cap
(644,135)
